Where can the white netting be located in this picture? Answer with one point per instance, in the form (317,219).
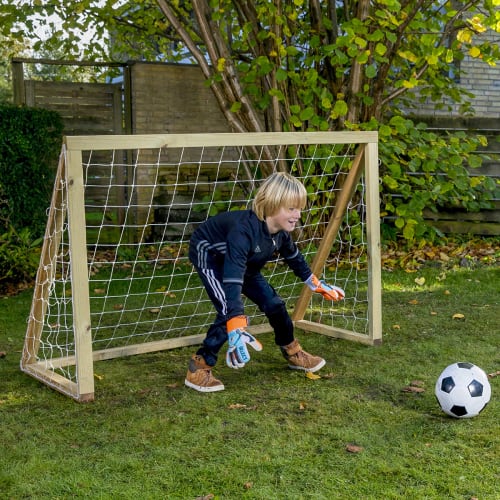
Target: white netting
(141,207)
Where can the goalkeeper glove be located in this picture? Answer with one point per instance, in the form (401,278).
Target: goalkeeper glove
(329,292)
(237,353)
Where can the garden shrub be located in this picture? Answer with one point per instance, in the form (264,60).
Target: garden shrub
(30,142)
(422,169)
(19,257)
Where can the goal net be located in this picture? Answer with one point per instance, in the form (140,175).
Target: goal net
(114,277)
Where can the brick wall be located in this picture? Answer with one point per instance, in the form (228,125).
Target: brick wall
(171,98)
(481,80)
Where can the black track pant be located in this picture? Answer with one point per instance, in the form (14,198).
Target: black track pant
(258,290)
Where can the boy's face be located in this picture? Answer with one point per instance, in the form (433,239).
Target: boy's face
(284,220)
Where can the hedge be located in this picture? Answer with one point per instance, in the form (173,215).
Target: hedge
(30,142)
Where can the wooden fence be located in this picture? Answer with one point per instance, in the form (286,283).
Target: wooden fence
(459,221)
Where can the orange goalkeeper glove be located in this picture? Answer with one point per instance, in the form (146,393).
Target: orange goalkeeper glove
(237,353)
(329,292)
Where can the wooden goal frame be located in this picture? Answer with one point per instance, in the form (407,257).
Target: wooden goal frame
(70,171)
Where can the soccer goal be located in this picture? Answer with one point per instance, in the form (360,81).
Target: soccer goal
(114,278)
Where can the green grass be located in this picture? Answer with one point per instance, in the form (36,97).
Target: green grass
(273,433)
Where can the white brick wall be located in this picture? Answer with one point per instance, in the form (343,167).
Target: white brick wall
(480,79)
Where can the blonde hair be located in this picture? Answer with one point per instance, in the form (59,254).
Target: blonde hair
(279,190)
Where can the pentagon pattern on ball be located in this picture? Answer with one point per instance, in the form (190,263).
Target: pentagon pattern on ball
(447,384)
(475,389)
(458,411)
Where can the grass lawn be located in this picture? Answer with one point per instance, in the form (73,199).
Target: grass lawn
(356,433)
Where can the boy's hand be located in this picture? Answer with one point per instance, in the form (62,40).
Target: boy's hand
(329,292)
(237,353)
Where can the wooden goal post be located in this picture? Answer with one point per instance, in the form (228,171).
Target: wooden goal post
(107,284)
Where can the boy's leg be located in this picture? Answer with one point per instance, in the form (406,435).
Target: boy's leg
(210,271)
(199,375)
(214,340)
(259,291)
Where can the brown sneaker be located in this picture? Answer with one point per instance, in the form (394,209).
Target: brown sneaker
(298,359)
(199,376)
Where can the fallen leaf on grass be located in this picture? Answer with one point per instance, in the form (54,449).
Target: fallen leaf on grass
(417,383)
(236,406)
(413,302)
(458,316)
(353,448)
(98,377)
(396,327)
(420,281)
(302,406)
(443,257)
(434,313)
(248,485)
(210,496)
(312,376)
(494,374)
(239,406)
(415,386)
(411,388)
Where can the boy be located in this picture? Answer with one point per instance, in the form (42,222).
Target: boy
(228,251)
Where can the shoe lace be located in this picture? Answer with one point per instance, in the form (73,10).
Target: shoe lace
(208,374)
(302,358)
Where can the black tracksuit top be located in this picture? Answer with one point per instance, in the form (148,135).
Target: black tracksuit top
(242,244)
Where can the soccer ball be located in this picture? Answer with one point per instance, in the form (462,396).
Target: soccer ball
(463,390)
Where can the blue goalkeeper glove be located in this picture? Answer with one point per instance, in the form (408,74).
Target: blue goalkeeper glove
(237,353)
(329,292)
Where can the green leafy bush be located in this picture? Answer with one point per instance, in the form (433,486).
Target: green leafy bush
(30,141)
(422,169)
(19,256)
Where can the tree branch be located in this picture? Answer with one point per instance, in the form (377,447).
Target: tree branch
(356,75)
(204,66)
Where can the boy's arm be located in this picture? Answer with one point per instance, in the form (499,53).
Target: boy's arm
(238,246)
(299,266)
(295,260)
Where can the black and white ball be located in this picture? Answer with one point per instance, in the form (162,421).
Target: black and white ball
(463,390)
